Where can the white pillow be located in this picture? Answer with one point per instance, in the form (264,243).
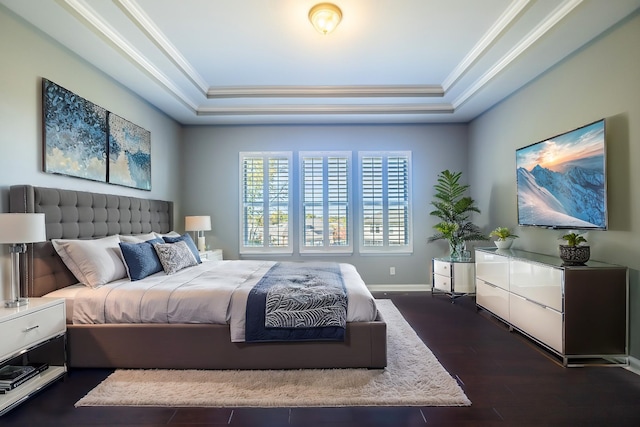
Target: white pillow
(169,234)
(137,238)
(93,262)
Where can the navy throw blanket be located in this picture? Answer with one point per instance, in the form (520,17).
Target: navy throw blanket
(298,301)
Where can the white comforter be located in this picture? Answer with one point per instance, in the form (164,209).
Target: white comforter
(211,292)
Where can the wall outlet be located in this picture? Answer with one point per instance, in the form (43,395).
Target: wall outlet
(392,271)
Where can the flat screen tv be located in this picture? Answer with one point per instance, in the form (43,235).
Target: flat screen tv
(561,181)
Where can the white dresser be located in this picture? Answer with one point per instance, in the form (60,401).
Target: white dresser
(580,313)
(454,277)
(34,333)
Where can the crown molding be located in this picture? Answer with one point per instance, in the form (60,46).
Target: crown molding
(142,20)
(326,109)
(93,20)
(356,91)
(506,19)
(534,35)
(99,25)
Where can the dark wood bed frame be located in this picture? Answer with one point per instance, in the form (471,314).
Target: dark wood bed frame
(73,214)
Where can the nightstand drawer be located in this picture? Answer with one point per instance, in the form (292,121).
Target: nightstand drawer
(211,255)
(33,327)
(442,268)
(442,283)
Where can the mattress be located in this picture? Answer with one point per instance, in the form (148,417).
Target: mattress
(69,294)
(211,292)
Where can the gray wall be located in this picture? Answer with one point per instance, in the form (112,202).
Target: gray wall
(212,180)
(27,56)
(599,81)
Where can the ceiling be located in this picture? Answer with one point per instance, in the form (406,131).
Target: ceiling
(261,61)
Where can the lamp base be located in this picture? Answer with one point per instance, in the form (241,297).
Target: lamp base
(16,302)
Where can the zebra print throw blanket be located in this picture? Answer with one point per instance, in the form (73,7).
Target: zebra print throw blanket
(298,301)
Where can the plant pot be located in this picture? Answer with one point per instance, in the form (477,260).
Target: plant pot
(575,255)
(457,249)
(503,244)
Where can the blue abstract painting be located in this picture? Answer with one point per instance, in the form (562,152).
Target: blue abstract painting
(75,134)
(129,154)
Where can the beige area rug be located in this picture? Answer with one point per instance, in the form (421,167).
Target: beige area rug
(413,377)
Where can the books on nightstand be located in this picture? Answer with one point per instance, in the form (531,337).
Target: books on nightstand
(11,376)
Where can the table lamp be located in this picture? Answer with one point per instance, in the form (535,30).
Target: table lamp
(18,229)
(198,224)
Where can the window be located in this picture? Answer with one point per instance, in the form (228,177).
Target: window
(325,202)
(385,215)
(265,203)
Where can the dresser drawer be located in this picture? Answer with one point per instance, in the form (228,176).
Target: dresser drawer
(441,268)
(542,323)
(537,282)
(493,298)
(23,331)
(493,269)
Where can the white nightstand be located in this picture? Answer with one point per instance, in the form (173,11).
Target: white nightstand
(33,333)
(453,277)
(211,255)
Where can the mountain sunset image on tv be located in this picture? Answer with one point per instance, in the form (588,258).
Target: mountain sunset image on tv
(561,182)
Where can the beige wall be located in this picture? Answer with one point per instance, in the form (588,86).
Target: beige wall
(26,57)
(599,81)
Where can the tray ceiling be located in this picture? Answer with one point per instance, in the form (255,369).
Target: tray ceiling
(261,61)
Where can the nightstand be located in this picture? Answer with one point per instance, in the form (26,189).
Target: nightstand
(33,333)
(453,277)
(211,255)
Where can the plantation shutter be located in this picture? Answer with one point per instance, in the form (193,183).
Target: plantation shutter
(265,202)
(386,206)
(325,207)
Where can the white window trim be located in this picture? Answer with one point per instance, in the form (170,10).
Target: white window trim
(266,249)
(325,250)
(385,248)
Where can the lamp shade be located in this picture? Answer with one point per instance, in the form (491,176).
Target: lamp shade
(22,228)
(197,223)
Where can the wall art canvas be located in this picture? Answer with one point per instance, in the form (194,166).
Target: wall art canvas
(75,134)
(129,154)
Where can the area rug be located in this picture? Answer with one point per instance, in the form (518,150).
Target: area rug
(413,377)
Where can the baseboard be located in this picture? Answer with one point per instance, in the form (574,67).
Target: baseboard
(400,288)
(634,365)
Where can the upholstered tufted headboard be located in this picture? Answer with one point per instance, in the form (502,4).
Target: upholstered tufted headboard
(73,214)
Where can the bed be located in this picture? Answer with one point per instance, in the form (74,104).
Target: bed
(73,214)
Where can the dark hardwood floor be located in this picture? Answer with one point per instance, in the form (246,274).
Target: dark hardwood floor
(509,381)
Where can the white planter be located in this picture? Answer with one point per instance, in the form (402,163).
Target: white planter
(503,244)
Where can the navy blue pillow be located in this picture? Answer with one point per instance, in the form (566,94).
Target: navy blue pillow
(188,240)
(141,258)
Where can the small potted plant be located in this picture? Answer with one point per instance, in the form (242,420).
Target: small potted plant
(504,237)
(574,252)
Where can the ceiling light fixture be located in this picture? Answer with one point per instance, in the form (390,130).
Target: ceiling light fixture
(325,17)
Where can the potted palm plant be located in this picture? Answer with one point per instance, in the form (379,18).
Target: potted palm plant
(454,210)
(504,237)
(574,252)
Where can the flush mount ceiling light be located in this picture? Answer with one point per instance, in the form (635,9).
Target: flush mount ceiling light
(325,17)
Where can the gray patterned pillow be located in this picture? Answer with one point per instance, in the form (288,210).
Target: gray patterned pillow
(174,256)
